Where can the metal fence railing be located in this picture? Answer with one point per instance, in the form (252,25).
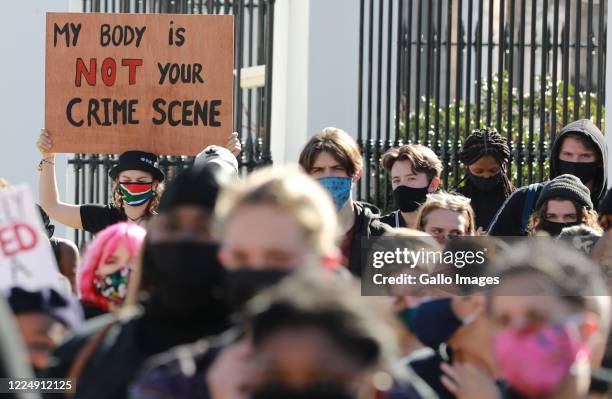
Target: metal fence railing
(431,71)
(253,33)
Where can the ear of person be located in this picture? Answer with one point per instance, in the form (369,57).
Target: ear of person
(434,185)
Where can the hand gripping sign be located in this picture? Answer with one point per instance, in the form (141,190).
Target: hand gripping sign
(26,258)
(160,83)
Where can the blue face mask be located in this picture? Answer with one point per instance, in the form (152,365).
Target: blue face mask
(434,322)
(339,188)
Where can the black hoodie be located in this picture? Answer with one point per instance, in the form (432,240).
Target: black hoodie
(508,220)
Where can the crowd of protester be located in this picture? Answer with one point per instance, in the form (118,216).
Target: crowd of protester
(221,286)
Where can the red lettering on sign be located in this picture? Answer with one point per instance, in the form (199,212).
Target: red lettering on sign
(17,238)
(108,70)
(81,69)
(131,63)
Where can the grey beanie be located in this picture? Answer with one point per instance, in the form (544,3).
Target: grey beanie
(567,187)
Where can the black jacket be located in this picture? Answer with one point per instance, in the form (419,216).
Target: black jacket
(367,224)
(425,363)
(125,343)
(112,365)
(394,219)
(507,221)
(179,373)
(484,204)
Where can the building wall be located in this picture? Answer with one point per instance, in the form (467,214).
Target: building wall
(22,28)
(333,64)
(315,72)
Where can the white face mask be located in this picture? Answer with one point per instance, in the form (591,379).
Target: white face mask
(469,319)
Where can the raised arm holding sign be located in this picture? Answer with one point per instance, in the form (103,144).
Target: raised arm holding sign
(140,84)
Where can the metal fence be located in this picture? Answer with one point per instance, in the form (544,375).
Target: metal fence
(253,33)
(432,71)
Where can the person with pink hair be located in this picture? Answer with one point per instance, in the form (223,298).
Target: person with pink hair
(104,274)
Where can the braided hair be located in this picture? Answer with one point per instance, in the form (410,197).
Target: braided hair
(487,142)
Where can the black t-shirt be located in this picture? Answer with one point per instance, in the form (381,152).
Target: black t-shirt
(96,218)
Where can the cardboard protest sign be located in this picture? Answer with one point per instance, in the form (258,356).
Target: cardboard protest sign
(154,82)
(26,258)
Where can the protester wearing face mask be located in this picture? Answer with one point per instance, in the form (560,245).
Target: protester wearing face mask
(181,294)
(278,220)
(563,202)
(446,215)
(485,155)
(333,158)
(138,186)
(104,275)
(404,301)
(137,189)
(552,316)
(403,298)
(457,329)
(580,150)
(310,337)
(415,171)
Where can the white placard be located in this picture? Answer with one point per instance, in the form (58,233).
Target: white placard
(26,258)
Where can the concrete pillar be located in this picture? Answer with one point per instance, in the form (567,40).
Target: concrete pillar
(315,72)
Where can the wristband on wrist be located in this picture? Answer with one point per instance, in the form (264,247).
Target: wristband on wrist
(43,161)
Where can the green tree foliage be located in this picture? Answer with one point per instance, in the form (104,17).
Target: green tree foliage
(530,144)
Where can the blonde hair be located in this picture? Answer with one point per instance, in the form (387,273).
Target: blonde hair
(291,190)
(452,202)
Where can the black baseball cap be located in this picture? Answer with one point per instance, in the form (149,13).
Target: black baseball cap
(138,160)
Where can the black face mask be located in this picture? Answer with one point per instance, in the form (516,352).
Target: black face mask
(554,228)
(435,322)
(243,285)
(185,278)
(408,199)
(485,184)
(282,391)
(585,171)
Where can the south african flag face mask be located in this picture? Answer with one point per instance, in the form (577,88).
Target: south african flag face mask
(136,194)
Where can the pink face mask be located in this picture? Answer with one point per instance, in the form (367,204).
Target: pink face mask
(535,363)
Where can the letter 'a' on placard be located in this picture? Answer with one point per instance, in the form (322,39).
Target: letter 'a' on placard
(160,83)
(26,258)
